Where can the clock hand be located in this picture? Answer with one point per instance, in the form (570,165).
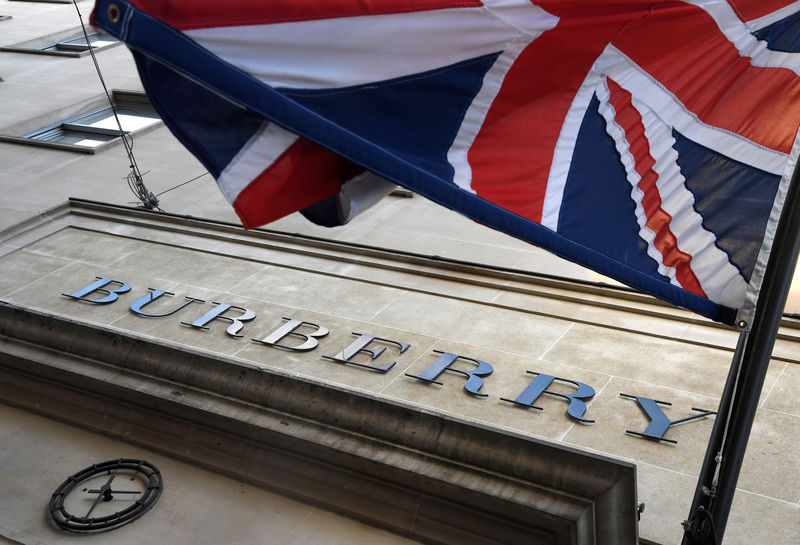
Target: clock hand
(105,494)
(94,504)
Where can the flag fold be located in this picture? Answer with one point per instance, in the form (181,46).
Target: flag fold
(651,141)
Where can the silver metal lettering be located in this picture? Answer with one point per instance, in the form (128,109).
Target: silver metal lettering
(101,285)
(216,313)
(659,422)
(360,346)
(289,330)
(443,363)
(136,306)
(577,406)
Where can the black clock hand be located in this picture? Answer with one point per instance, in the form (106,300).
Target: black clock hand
(104,493)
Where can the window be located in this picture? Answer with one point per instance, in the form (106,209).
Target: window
(66,44)
(96,127)
(78,43)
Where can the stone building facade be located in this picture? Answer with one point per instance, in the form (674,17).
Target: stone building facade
(369,384)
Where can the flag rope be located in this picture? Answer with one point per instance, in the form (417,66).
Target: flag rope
(146,197)
(182,184)
(718,458)
(692,524)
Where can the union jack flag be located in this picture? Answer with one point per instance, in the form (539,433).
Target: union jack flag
(652,141)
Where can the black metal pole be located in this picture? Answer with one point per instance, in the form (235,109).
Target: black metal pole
(699,527)
(711,506)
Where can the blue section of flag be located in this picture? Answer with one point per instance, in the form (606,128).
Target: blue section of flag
(431,104)
(306,114)
(733,199)
(601,214)
(783,35)
(212,128)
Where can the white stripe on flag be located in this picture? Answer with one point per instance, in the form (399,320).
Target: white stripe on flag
(720,280)
(617,133)
(774,17)
(622,70)
(532,22)
(739,34)
(639,83)
(565,149)
(347,51)
(264,147)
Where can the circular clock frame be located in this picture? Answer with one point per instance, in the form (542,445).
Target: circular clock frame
(145,471)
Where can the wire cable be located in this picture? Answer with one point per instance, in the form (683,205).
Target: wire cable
(181,184)
(134,178)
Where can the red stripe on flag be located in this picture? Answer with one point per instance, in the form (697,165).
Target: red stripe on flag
(190,14)
(658,220)
(682,47)
(303,175)
(513,151)
(747,10)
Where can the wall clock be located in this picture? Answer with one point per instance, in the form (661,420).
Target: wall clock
(106,495)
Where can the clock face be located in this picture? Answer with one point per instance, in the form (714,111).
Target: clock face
(106,495)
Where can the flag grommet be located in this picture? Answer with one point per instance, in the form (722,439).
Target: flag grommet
(114,13)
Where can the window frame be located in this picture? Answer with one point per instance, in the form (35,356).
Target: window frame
(53,134)
(48,45)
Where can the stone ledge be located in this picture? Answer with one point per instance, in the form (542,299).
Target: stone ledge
(430,477)
(621,309)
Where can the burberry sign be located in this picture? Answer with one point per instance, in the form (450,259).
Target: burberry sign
(370,352)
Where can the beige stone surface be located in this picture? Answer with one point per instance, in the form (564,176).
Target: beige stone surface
(197,507)
(682,366)
(277,285)
(20,268)
(758,519)
(667,496)
(786,349)
(783,396)
(597,313)
(615,415)
(450,397)
(190,267)
(772,460)
(508,380)
(173,328)
(754,519)
(341,336)
(419,281)
(711,335)
(86,246)
(46,294)
(471,323)
(9,216)
(318,292)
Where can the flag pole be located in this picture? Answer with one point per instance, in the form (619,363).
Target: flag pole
(723,461)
